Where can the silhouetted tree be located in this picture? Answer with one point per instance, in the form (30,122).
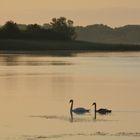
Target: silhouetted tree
(33,31)
(58,29)
(33,28)
(10,30)
(47,26)
(63,27)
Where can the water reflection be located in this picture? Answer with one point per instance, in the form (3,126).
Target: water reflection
(56,53)
(23,60)
(8,60)
(77,119)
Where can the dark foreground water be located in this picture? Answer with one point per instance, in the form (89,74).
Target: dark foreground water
(35,91)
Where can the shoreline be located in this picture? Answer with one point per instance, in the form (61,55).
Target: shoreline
(43,46)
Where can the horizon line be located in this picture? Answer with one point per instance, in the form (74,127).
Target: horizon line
(41,24)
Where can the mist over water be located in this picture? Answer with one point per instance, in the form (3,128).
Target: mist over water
(36,89)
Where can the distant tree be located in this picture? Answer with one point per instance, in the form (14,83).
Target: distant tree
(10,30)
(33,28)
(63,27)
(22,27)
(47,26)
(33,31)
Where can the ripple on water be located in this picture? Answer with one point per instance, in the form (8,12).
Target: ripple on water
(57,136)
(76,119)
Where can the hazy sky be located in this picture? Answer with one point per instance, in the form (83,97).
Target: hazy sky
(83,12)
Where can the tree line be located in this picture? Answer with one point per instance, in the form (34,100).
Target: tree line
(59,29)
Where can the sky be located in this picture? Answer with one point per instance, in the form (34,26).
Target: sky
(83,12)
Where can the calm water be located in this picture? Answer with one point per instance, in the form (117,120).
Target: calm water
(35,91)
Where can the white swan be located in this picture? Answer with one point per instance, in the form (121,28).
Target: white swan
(79,110)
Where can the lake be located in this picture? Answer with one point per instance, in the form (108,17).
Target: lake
(35,90)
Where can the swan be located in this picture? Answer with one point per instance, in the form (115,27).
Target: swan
(79,110)
(102,111)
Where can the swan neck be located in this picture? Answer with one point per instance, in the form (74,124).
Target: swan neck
(71,113)
(95,110)
(95,107)
(71,108)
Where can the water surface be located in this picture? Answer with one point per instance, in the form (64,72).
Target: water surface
(36,89)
